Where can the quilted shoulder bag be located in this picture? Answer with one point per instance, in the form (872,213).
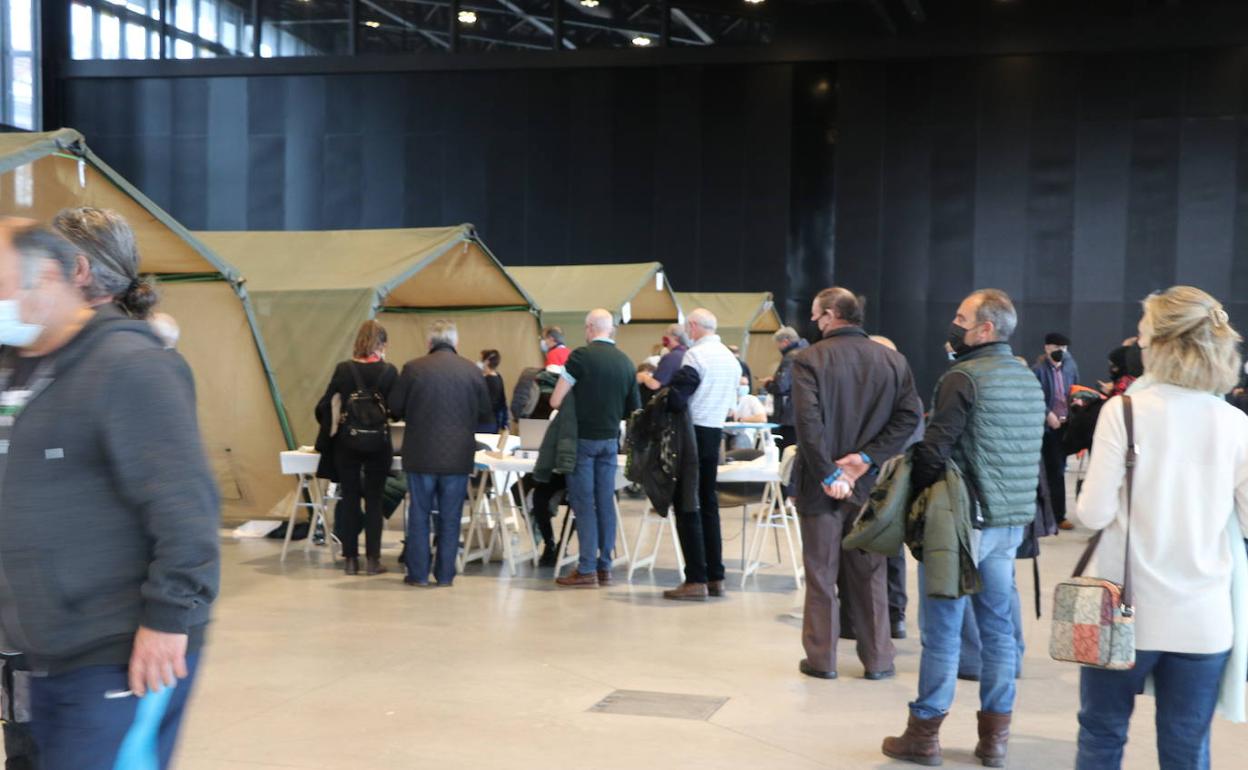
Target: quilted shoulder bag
(1093,618)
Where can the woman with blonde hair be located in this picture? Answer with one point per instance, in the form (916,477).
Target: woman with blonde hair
(1189,503)
(354,416)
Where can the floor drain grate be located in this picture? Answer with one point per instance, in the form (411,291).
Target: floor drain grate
(667,705)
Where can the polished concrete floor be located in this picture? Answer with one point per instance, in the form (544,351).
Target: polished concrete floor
(307,668)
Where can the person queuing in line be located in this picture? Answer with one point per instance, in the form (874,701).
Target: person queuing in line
(647,369)
(355,438)
(988,417)
(706,385)
(747,377)
(443,398)
(854,406)
(1057,372)
(675,344)
(605,388)
(1190,482)
(780,385)
(553,347)
(748,409)
(97,409)
(490,359)
(898,599)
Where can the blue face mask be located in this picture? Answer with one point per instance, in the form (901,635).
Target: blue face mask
(743,390)
(545,346)
(13,331)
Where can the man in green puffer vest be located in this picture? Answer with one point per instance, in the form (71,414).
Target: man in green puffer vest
(988,417)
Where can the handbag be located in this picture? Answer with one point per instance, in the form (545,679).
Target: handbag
(1094,618)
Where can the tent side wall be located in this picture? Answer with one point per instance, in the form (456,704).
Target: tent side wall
(513,333)
(763,357)
(637,340)
(241,432)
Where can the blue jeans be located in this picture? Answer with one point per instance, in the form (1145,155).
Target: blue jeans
(941,624)
(76,728)
(591,491)
(445,494)
(1187,692)
(970,661)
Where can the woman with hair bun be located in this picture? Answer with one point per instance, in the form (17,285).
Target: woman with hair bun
(1188,511)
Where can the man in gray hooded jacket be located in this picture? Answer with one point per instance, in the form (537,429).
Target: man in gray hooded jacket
(108,513)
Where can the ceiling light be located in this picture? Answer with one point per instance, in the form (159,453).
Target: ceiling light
(590,3)
(373,24)
(755,2)
(467,17)
(641,41)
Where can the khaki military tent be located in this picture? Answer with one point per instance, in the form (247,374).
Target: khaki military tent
(239,410)
(313,289)
(747,319)
(638,295)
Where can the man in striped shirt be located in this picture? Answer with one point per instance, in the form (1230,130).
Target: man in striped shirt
(706,385)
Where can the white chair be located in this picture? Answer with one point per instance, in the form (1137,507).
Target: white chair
(664,523)
(568,556)
(319,502)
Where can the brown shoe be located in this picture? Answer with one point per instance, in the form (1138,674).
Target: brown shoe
(352,566)
(578,579)
(920,743)
(716,588)
(374,566)
(994,733)
(1066,525)
(687,592)
(604,577)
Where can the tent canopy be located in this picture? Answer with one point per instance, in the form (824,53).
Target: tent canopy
(640,292)
(239,411)
(313,289)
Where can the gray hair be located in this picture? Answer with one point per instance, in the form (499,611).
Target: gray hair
(678,333)
(443,332)
(786,334)
(995,307)
(703,318)
(106,240)
(35,245)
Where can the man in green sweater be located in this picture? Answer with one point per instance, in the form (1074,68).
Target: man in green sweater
(606,393)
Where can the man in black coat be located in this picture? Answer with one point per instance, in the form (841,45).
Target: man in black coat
(443,398)
(854,406)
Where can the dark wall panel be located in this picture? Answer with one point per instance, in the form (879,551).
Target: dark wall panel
(685,165)
(1077,183)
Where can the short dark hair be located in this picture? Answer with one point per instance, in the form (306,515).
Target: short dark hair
(492,358)
(844,304)
(554,332)
(647,367)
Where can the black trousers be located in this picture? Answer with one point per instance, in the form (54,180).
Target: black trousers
(700,538)
(1054,455)
(543,510)
(361,478)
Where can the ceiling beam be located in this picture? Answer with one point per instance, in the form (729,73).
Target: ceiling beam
(536,22)
(432,38)
(683,18)
(881,13)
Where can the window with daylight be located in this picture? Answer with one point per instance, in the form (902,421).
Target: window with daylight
(19,66)
(131,29)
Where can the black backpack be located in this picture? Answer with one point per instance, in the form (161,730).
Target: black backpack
(365,427)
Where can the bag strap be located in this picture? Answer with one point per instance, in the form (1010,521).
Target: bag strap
(1128,419)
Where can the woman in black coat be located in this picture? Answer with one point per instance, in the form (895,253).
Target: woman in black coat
(362,465)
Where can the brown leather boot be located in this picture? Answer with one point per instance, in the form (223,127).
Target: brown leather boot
(578,579)
(920,743)
(374,566)
(687,592)
(604,577)
(352,566)
(716,588)
(994,734)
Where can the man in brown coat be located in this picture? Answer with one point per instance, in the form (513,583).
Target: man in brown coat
(855,406)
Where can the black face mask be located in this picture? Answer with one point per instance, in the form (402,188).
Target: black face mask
(957,339)
(1057,355)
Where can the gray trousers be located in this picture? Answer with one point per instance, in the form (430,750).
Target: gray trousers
(864,576)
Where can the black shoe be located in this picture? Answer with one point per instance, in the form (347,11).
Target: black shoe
(351,565)
(899,629)
(968,677)
(550,556)
(414,582)
(848,634)
(810,670)
(875,676)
